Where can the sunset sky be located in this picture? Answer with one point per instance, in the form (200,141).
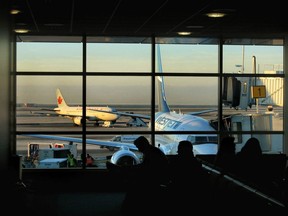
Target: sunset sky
(67,57)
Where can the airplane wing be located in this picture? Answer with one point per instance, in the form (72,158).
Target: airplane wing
(133,115)
(88,141)
(128,114)
(201,112)
(51,112)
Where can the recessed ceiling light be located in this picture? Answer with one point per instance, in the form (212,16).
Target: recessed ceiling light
(216,14)
(184,33)
(21,31)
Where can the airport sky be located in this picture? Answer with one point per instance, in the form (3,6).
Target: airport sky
(132,58)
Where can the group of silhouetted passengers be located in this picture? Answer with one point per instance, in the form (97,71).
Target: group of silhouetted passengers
(180,183)
(247,164)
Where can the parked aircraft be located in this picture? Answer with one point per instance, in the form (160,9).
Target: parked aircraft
(108,115)
(165,120)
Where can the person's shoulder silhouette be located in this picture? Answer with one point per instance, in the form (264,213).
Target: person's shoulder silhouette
(142,143)
(251,149)
(186,156)
(227,145)
(188,179)
(153,157)
(145,180)
(250,161)
(185,162)
(225,157)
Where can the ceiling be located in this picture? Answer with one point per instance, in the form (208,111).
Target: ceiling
(147,18)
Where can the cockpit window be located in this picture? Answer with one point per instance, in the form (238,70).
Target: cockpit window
(202,139)
(213,139)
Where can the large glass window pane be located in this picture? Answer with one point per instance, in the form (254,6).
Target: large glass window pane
(252,59)
(270,143)
(187,58)
(110,57)
(190,91)
(127,97)
(49,57)
(53,151)
(38,103)
(193,105)
(254,98)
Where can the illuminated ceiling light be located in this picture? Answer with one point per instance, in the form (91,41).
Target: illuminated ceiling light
(184,33)
(216,14)
(21,31)
(15,11)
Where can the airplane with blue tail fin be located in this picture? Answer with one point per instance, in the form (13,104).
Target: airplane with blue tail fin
(165,120)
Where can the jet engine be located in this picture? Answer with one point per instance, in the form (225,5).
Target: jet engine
(125,157)
(77,121)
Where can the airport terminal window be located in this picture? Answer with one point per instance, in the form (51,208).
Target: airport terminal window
(49,57)
(189,58)
(121,76)
(258,65)
(115,57)
(253,59)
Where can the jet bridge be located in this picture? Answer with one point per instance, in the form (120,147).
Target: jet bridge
(253,122)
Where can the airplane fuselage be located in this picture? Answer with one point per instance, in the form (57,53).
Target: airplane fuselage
(172,121)
(106,114)
(92,113)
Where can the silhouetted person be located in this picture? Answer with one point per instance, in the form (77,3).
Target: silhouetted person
(250,164)
(89,160)
(145,179)
(189,181)
(225,157)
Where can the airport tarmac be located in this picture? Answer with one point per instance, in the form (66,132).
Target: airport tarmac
(26,121)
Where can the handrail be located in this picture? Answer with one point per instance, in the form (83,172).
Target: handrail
(245,186)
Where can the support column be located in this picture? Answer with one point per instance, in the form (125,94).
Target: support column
(285,96)
(5,84)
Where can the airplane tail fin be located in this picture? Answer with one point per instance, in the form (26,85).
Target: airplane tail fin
(162,103)
(60,99)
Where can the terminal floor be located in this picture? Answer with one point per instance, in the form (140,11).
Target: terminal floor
(99,193)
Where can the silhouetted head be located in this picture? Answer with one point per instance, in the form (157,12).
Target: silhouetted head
(252,147)
(141,143)
(227,144)
(185,147)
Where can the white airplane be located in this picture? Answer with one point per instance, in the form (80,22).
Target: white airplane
(92,113)
(165,120)
(107,114)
